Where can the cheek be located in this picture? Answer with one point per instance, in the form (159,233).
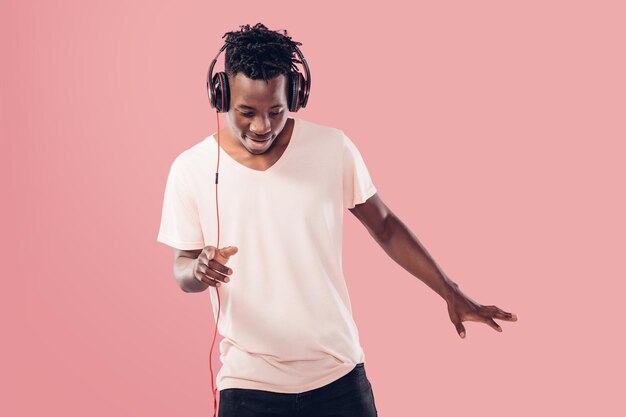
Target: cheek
(236,125)
(282,121)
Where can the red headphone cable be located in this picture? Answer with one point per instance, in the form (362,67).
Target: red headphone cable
(214,390)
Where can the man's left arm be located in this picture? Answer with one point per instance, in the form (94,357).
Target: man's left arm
(406,250)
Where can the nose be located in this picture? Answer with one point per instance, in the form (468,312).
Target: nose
(261,128)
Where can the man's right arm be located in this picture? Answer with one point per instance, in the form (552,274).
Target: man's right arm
(184,263)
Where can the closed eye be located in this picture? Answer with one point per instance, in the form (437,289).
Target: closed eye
(252,114)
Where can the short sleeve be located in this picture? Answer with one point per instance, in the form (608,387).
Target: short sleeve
(180,223)
(357,183)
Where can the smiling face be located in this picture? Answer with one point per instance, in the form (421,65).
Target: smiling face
(258,110)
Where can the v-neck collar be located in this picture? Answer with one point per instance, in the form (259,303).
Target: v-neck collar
(294,134)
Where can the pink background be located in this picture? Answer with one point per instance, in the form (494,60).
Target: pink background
(494,130)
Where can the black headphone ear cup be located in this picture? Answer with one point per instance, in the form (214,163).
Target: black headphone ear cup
(304,97)
(293,91)
(209,90)
(225,92)
(221,98)
(216,96)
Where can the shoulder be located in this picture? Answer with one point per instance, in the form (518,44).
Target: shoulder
(318,137)
(310,127)
(193,157)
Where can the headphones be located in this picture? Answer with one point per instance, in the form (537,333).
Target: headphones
(219,91)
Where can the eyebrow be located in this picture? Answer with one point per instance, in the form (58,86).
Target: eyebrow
(243,106)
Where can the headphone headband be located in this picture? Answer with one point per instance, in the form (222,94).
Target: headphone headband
(299,86)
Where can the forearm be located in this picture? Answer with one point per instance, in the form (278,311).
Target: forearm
(404,248)
(183,272)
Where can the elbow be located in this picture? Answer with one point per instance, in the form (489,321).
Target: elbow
(178,279)
(385,231)
(179,283)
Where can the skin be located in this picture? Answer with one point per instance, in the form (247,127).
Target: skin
(405,249)
(258,109)
(267,115)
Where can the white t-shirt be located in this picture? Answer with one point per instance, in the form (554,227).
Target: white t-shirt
(286,318)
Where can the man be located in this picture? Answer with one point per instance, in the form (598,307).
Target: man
(290,346)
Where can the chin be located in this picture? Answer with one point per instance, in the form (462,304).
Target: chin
(256,151)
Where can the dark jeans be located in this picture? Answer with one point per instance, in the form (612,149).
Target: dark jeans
(349,396)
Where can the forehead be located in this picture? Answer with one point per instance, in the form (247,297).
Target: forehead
(256,93)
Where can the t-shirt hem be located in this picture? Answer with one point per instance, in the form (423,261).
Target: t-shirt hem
(370,192)
(177,244)
(246,384)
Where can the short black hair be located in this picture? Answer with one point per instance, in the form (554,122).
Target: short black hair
(259,53)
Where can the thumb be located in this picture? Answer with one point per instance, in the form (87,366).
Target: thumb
(460,329)
(228,251)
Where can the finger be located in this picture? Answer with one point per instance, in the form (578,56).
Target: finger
(209,252)
(460,329)
(218,271)
(228,251)
(493,324)
(202,275)
(503,315)
(209,280)
(222,255)
(500,314)
(212,274)
(218,267)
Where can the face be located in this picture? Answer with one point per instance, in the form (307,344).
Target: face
(258,110)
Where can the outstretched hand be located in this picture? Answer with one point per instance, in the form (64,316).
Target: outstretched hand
(462,308)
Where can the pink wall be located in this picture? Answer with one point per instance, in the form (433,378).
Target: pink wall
(494,130)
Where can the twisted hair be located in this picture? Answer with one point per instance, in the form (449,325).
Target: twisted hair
(259,53)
